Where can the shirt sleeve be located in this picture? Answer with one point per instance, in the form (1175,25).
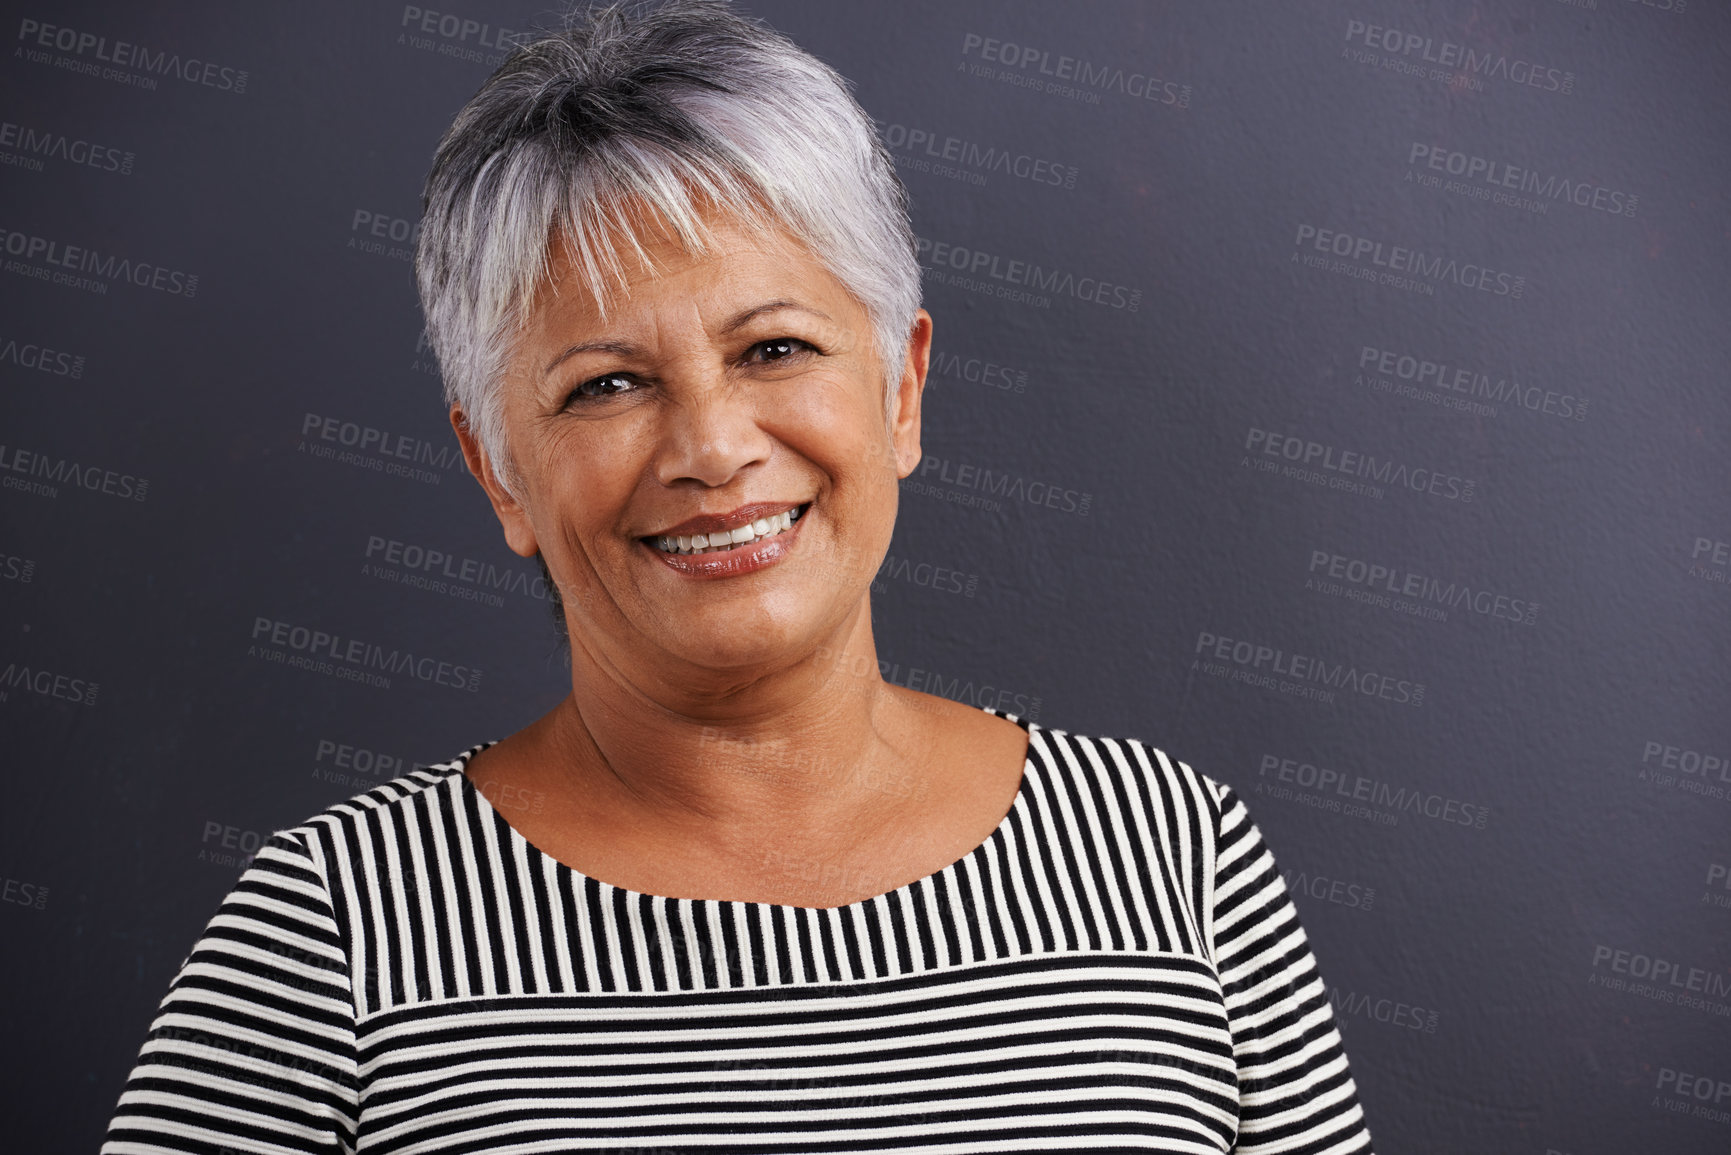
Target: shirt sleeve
(253,1048)
(1296,1095)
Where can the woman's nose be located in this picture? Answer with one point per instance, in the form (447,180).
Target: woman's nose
(710,433)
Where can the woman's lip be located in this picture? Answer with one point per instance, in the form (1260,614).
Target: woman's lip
(725,522)
(747,557)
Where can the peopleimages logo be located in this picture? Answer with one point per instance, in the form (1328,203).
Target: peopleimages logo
(453,575)
(960,688)
(235,845)
(1661,980)
(1485,179)
(1694,771)
(1666,975)
(1392,587)
(345,764)
(425,360)
(1376,1009)
(926,575)
(1465,61)
(1688,761)
(1718,892)
(33,146)
(1355,468)
(977,371)
(1398,265)
(41,358)
(92,51)
(1000,484)
(1710,560)
(52,260)
(1456,383)
(459,37)
(367,447)
(352,659)
(1331,789)
(26,679)
(1301,674)
(371,232)
(980,271)
(1702,1096)
(56,471)
(27,894)
(1072,76)
(1339,891)
(927,150)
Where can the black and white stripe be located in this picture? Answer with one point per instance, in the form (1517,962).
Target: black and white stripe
(1116,968)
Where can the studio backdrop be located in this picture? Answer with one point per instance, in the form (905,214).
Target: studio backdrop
(1331,394)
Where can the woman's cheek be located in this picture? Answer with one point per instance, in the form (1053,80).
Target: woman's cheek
(834,418)
(589,456)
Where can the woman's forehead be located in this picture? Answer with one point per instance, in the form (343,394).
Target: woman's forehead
(738,264)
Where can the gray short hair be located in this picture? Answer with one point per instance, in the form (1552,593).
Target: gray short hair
(677,108)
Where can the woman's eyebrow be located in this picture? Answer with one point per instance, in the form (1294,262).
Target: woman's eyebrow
(745,317)
(625,349)
(617,348)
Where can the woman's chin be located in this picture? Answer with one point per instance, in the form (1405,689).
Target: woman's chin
(744,644)
(726,664)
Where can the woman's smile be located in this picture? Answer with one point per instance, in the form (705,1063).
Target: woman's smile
(742,542)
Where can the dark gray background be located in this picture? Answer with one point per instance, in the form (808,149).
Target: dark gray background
(1475,970)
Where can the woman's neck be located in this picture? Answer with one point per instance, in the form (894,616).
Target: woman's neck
(859,784)
(802,746)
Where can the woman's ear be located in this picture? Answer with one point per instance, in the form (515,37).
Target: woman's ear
(905,405)
(513,517)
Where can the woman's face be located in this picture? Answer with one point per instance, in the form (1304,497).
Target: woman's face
(743,384)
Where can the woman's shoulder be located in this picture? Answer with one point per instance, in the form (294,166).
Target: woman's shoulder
(1128,762)
(380,806)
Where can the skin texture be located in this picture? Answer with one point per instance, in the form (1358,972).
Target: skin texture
(727,738)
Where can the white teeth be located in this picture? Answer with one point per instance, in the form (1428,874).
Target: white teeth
(704,543)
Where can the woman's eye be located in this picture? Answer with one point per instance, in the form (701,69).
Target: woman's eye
(605,386)
(776,349)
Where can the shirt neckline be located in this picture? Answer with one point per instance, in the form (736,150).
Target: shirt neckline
(989,843)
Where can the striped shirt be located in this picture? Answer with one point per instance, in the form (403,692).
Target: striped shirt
(1118,967)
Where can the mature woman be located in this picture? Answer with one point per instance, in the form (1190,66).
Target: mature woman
(735,893)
